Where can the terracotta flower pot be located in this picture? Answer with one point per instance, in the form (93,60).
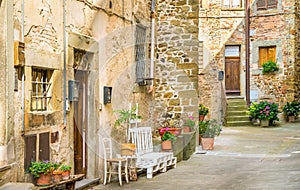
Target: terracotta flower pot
(201,117)
(44,179)
(66,175)
(56,176)
(291,118)
(186,129)
(207,143)
(166,145)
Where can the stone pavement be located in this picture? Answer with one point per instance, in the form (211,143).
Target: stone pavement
(244,158)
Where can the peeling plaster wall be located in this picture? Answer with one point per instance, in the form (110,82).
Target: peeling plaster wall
(95,27)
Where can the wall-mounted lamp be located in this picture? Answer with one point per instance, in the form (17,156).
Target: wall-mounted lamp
(107,94)
(73,90)
(220,75)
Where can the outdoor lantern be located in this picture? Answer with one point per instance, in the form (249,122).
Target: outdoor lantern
(73,90)
(107,94)
(220,75)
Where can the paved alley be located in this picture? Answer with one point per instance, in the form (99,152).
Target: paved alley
(243,158)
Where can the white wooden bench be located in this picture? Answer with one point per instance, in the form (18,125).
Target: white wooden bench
(146,158)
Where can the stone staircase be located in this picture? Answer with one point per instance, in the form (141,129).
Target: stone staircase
(236,112)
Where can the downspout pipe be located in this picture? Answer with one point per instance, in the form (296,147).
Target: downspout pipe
(247,44)
(65,64)
(23,73)
(152,43)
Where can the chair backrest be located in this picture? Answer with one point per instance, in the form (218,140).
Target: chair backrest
(142,138)
(107,148)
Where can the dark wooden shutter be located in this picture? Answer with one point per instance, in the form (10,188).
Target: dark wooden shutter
(44,149)
(272,4)
(30,150)
(261,4)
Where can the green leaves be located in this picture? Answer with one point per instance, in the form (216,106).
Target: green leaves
(264,110)
(210,128)
(291,108)
(203,110)
(269,67)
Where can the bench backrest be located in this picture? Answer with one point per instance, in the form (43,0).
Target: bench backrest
(142,138)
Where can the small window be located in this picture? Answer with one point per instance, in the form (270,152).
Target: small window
(40,97)
(266,4)
(232,4)
(267,54)
(140,51)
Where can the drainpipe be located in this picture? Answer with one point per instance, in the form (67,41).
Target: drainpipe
(65,63)
(152,43)
(23,73)
(247,44)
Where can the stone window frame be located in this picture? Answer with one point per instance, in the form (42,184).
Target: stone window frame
(256,10)
(40,92)
(265,43)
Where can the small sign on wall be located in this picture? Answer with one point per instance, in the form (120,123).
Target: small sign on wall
(253,95)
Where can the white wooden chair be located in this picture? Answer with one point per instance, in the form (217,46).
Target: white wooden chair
(110,163)
(146,158)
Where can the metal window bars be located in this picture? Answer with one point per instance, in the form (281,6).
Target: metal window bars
(40,90)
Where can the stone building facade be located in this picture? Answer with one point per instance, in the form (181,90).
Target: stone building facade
(66,53)
(222,31)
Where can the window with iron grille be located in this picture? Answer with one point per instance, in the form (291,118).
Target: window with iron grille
(266,4)
(40,96)
(140,51)
(232,3)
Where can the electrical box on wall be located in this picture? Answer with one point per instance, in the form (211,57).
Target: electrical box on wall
(107,94)
(73,90)
(19,53)
(220,75)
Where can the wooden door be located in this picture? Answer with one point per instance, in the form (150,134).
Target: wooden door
(80,121)
(232,73)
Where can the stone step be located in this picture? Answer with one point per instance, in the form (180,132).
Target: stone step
(236,113)
(237,108)
(237,118)
(238,124)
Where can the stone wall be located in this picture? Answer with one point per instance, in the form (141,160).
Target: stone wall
(274,28)
(177,60)
(218,27)
(88,24)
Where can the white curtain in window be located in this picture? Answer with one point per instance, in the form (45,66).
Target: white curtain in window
(236,3)
(226,3)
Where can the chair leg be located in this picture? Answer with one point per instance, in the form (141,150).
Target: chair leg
(109,172)
(120,172)
(126,172)
(105,173)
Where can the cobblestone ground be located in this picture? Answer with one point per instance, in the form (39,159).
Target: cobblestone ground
(243,158)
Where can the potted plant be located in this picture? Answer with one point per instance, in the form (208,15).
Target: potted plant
(203,111)
(291,110)
(270,67)
(167,138)
(41,170)
(57,172)
(189,124)
(66,171)
(208,130)
(124,120)
(265,111)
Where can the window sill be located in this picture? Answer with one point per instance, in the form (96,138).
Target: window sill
(232,9)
